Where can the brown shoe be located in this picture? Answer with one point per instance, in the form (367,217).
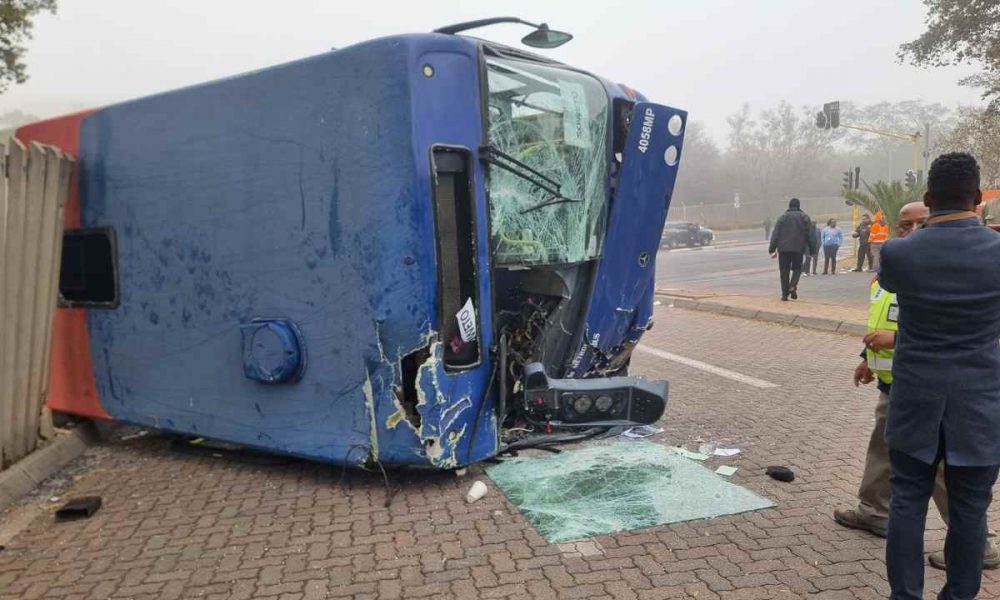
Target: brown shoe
(850,517)
(991,557)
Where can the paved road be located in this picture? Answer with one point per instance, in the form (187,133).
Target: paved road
(740,235)
(180,526)
(746,268)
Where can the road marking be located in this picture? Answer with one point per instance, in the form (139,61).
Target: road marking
(697,364)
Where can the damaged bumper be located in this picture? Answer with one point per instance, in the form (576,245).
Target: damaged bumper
(604,402)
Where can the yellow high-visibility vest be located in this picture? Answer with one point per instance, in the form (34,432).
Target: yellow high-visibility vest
(883,313)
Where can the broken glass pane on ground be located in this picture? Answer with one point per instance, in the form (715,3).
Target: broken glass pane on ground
(617,487)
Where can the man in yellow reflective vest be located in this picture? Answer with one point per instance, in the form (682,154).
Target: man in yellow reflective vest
(872,512)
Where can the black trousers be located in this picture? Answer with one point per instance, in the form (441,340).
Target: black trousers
(865,251)
(789,269)
(830,258)
(810,261)
(969,495)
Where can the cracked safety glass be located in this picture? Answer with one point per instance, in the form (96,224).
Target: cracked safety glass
(547,205)
(616,487)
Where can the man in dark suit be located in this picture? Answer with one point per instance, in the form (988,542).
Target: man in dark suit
(945,398)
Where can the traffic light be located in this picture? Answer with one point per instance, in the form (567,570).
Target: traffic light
(829,117)
(911,179)
(857,178)
(848,182)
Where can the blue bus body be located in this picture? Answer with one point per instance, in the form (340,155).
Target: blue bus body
(311,258)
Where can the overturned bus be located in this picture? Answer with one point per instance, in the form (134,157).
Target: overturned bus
(418,250)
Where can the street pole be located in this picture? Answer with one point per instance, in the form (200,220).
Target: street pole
(913,138)
(927,148)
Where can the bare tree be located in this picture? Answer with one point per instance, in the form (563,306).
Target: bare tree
(699,180)
(977,132)
(779,153)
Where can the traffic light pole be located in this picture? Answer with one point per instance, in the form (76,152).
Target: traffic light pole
(913,138)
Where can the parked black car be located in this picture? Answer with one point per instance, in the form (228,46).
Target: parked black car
(678,233)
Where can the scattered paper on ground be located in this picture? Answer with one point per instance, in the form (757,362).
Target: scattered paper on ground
(726,470)
(642,431)
(726,451)
(688,454)
(617,487)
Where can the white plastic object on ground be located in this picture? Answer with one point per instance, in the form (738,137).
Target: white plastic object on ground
(477,491)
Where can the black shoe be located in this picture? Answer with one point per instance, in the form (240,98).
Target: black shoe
(794,294)
(855,270)
(784,298)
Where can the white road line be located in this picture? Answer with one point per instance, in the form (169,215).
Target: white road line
(697,364)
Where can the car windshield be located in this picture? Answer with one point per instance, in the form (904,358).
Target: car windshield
(548,163)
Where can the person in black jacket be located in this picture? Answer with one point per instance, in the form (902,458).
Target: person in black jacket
(790,239)
(862,233)
(812,254)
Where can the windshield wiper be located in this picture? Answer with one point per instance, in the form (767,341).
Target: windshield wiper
(512,165)
(550,202)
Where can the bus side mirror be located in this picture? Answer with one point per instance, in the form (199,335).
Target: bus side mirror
(543,37)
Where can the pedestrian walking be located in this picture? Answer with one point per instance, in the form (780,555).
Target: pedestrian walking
(872,511)
(878,234)
(832,237)
(862,233)
(789,241)
(767,228)
(944,404)
(811,260)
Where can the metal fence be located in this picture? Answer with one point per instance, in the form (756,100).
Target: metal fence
(34,188)
(752,214)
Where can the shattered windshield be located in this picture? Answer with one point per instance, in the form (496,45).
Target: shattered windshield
(548,164)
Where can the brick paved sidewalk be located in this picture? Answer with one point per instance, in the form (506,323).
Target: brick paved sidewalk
(182,526)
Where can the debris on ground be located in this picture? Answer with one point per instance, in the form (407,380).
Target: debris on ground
(781,473)
(726,451)
(79,508)
(477,491)
(688,454)
(641,431)
(726,470)
(619,486)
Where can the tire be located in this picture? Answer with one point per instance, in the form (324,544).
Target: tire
(706,241)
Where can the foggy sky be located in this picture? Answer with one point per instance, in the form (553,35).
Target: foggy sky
(705,56)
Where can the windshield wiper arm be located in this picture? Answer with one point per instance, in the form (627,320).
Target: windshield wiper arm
(500,159)
(512,165)
(556,200)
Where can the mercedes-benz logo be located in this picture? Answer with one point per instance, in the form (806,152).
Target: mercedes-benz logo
(643,259)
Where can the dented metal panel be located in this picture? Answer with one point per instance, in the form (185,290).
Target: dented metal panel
(300,204)
(622,301)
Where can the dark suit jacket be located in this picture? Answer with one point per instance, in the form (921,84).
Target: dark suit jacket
(946,368)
